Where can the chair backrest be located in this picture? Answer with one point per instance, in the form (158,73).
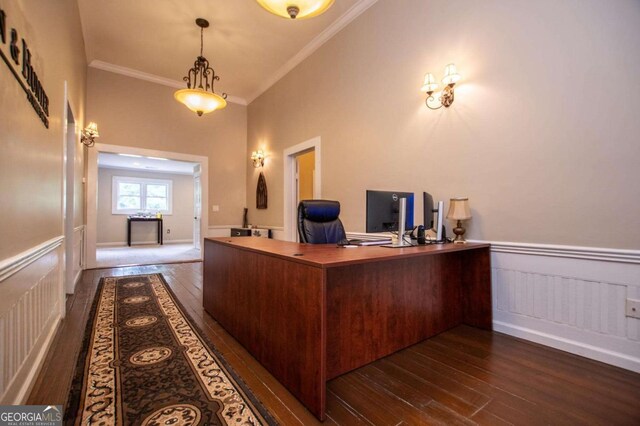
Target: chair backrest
(318,222)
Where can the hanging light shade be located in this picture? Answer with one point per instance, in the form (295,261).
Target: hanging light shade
(200,80)
(296,9)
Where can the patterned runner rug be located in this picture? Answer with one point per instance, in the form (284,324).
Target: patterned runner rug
(144,362)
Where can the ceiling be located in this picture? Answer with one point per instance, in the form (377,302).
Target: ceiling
(148,164)
(249,48)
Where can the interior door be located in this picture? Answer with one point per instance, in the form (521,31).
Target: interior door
(197,210)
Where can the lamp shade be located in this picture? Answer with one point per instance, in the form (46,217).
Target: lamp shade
(451,75)
(296,9)
(200,101)
(430,84)
(92,130)
(459,209)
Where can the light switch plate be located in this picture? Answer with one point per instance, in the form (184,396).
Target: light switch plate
(215,208)
(633,308)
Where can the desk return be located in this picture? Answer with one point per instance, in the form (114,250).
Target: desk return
(310,313)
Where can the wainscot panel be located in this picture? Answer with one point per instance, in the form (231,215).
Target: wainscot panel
(570,298)
(31,307)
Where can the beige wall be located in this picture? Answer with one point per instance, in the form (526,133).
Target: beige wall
(306,165)
(112,228)
(137,113)
(31,155)
(542,137)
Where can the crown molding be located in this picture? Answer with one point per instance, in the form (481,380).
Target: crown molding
(317,42)
(130,72)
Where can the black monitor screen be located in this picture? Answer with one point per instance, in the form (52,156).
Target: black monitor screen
(382,210)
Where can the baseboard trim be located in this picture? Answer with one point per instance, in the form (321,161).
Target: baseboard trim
(572,346)
(14,264)
(77,277)
(142,243)
(573,252)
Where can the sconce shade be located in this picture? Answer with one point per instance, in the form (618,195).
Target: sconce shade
(296,9)
(92,129)
(430,84)
(258,158)
(451,75)
(89,135)
(459,209)
(200,101)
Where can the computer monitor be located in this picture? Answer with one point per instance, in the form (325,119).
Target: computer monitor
(428,210)
(382,210)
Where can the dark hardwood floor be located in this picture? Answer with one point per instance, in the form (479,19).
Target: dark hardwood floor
(462,376)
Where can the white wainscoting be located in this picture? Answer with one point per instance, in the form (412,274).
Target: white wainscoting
(32,289)
(570,298)
(215,231)
(277,232)
(144,243)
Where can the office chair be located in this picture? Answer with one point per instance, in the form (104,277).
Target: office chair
(318,222)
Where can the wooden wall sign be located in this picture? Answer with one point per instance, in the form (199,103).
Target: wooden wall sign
(261,192)
(14,50)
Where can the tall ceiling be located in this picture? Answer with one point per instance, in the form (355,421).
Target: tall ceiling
(248,47)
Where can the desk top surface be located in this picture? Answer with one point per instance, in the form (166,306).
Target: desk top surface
(330,255)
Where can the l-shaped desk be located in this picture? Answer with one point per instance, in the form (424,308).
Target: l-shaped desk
(309,313)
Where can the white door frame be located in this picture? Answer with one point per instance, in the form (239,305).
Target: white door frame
(92,189)
(290,154)
(68,199)
(69,141)
(197,214)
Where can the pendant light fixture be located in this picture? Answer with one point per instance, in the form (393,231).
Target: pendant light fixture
(296,9)
(200,79)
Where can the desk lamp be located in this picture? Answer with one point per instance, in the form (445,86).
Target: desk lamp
(459,210)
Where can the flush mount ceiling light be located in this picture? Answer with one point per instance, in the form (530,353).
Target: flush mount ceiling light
(200,79)
(296,9)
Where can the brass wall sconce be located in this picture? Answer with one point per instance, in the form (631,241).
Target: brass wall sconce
(451,77)
(258,158)
(89,135)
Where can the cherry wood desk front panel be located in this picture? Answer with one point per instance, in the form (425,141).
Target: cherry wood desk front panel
(275,309)
(309,313)
(378,308)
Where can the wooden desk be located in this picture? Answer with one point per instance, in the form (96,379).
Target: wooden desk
(144,219)
(309,313)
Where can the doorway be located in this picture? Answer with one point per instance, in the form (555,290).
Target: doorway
(182,241)
(71,200)
(302,180)
(305,171)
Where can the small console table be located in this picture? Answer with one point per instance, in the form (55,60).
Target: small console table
(143,219)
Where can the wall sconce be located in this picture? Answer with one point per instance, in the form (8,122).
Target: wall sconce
(258,158)
(89,135)
(451,77)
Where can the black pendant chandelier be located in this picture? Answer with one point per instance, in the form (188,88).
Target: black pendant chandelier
(200,80)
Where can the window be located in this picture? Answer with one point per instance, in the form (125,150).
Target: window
(133,195)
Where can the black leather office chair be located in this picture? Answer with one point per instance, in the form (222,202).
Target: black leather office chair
(318,222)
